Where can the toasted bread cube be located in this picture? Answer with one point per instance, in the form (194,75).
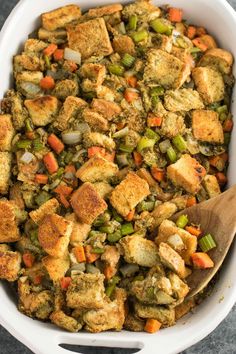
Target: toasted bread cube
(171,259)
(209,83)
(61,17)
(5,174)
(123,44)
(107,109)
(111,316)
(87,203)
(140,251)
(183,308)
(98,139)
(207,127)
(6,132)
(161,313)
(211,185)
(33,45)
(58,36)
(182,100)
(49,207)
(18,111)
(162,212)
(69,111)
(172,124)
(95,120)
(180,288)
(56,267)
(218,59)
(23,78)
(169,228)
(86,291)
(186,173)
(165,69)
(65,88)
(29,62)
(104,189)
(104,10)
(10,265)
(133,323)
(94,72)
(64,321)
(42,110)
(90,38)
(54,235)
(142,8)
(97,169)
(209,41)
(80,231)
(131,191)
(9,231)
(111,258)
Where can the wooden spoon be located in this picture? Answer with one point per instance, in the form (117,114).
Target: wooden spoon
(216,216)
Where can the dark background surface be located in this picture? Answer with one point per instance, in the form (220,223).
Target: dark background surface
(221,341)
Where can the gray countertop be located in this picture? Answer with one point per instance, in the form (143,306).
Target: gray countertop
(221,341)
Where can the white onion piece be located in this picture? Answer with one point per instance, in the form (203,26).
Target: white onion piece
(30,88)
(27,157)
(70,54)
(129,269)
(71,138)
(83,128)
(176,242)
(78,154)
(121,133)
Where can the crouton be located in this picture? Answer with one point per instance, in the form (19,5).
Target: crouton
(98,139)
(171,259)
(4,247)
(123,44)
(209,83)
(6,132)
(10,265)
(58,36)
(65,88)
(33,45)
(87,203)
(95,120)
(86,291)
(133,323)
(111,257)
(163,42)
(24,78)
(106,93)
(49,207)
(56,267)
(80,231)
(18,111)
(64,321)
(211,185)
(144,9)
(218,59)
(5,162)
(69,111)
(96,73)
(180,288)
(131,191)
(29,62)
(26,171)
(54,235)
(42,110)
(140,251)
(104,10)
(107,109)
(9,231)
(207,127)
(183,308)
(111,316)
(60,17)
(162,212)
(165,69)
(182,100)
(186,173)
(90,38)
(209,41)
(172,124)
(161,313)
(104,189)
(169,228)
(97,169)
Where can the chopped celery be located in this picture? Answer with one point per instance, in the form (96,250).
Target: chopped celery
(179,143)
(139,36)
(47,62)
(109,289)
(121,133)
(126,148)
(182,221)
(144,143)
(206,243)
(69,156)
(37,145)
(133,20)
(146,206)
(171,154)
(28,125)
(222,109)
(151,134)
(23,144)
(161,26)
(116,216)
(127,229)
(157,91)
(227,138)
(102,219)
(108,229)
(116,69)
(114,237)
(194,50)
(97,250)
(128,60)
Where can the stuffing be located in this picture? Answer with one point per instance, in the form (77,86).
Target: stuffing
(64,321)
(182,100)
(161,313)
(209,83)
(5,162)
(107,109)
(179,287)
(56,267)
(6,132)
(93,75)
(15,195)
(144,9)
(163,42)
(104,10)
(98,139)
(139,250)
(24,78)
(18,111)
(96,121)
(65,88)
(123,44)
(171,259)
(104,189)
(42,110)
(87,203)
(172,124)
(58,36)
(80,231)
(49,207)
(60,17)
(162,212)
(26,172)
(86,291)
(218,59)
(10,265)
(106,93)
(111,316)
(211,185)
(131,191)
(111,258)
(29,62)
(207,127)
(33,45)
(90,38)
(209,41)
(183,308)
(9,231)
(133,323)
(97,169)
(54,235)
(186,173)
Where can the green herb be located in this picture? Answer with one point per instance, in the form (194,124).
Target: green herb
(97,250)
(47,62)
(28,125)
(182,221)
(206,243)
(116,216)
(108,229)
(157,91)
(37,145)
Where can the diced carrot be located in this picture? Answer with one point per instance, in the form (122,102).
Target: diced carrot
(200,44)
(131,81)
(70,168)
(90,256)
(120,125)
(63,189)
(110,156)
(138,159)
(58,54)
(154,121)
(214,160)
(130,215)
(175,14)
(50,49)
(152,325)
(130,95)
(96,150)
(193,230)
(50,162)
(65,282)
(158,174)
(201,31)
(47,83)
(30,135)
(79,254)
(228,125)
(55,143)
(191,32)
(108,272)
(224,156)
(28,259)
(62,199)
(191,201)
(201,260)
(221,178)
(37,279)
(41,179)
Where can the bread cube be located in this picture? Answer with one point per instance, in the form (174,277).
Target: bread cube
(9,231)
(65,88)
(218,59)
(186,173)
(104,189)
(96,74)
(58,36)
(10,265)
(171,259)
(18,111)
(64,321)
(29,62)
(162,212)
(104,10)
(180,288)
(80,230)
(97,169)
(33,45)
(107,109)
(133,323)
(5,174)
(6,132)
(69,111)
(49,207)
(29,77)
(123,44)
(182,100)
(211,185)
(172,124)
(164,315)
(42,110)
(96,121)
(56,267)
(207,127)
(59,18)
(183,308)
(98,139)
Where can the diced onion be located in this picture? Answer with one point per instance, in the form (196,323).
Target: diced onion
(121,133)
(71,138)
(70,54)
(90,268)
(78,154)
(129,269)
(27,157)
(176,242)
(83,128)
(30,88)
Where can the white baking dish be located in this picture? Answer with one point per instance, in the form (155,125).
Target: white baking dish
(43,338)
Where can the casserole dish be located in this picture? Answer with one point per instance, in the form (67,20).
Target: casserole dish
(45,337)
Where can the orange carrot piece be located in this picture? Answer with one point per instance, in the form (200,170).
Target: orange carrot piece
(214,160)
(110,156)
(58,54)
(175,14)
(131,95)
(65,282)
(191,201)
(138,159)
(158,174)
(200,44)
(120,125)
(63,189)
(191,32)
(79,254)
(47,83)
(130,215)
(193,230)
(131,81)
(201,31)
(201,260)
(228,125)
(55,143)
(50,162)
(63,200)
(96,150)
(37,279)
(154,121)
(28,259)
(221,178)
(50,49)
(70,168)
(90,256)
(41,179)
(108,272)
(152,325)
(30,135)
